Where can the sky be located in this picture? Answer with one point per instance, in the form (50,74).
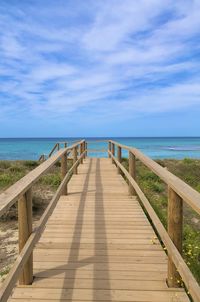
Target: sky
(99,68)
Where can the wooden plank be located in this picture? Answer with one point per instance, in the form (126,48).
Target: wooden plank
(99,295)
(102,266)
(24,255)
(98,246)
(89,274)
(177,259)
(102,252)
(110,284)
(102,259)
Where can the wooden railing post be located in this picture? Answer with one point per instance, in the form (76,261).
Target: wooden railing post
(81,151)
(64,170)
(119,157)
(113,151)
(132,171)
(175,231)
(58,146)
(86,145)
(75,159)
(25,230)
(109,148)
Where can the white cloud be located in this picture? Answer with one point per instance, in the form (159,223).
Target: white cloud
(109,57)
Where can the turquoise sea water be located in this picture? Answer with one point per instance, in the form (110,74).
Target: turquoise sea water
(32,148)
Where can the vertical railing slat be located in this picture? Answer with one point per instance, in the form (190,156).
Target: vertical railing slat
(75,159)
(64,170)
(132,171)
(109,148)
(175,231)
(113,151)
(119,157)
(25,230)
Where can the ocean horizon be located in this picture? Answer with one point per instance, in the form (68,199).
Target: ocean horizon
(26,148)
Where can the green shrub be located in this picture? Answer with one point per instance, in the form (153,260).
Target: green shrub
(148,175)
(16,169)
(5,179)
(4,164)
(188,161)
(157,187)
(31,163)
(53,180)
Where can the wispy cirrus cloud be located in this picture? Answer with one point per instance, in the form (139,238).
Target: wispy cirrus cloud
(101,57)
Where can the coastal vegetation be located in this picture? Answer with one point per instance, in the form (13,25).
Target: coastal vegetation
(156,191)
(43,191)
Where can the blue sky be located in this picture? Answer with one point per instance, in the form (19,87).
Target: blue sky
(99,68)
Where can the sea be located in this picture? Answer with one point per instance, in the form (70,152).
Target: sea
(154,147)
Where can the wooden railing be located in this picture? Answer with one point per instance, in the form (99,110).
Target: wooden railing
(57,147)
(21,191)
(178,191)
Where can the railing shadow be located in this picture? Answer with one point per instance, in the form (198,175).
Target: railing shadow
(99,209)
(76,242)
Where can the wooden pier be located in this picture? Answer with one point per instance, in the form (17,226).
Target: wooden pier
(95,242)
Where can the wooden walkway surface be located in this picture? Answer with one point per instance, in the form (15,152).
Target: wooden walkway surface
(98,245)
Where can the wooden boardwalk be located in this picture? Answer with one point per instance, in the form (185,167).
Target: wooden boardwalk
(98,245)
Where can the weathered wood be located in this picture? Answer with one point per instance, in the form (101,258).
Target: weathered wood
(94,217)
(12,194)
(75,159)
(75,263)
(113,151)
(26,252)
(187,193)
(175,231)
(54,148)
(86,148)
(81,151)
(132,172)
(25,230)
(119,158)
(64,170)
(186,275)
(109,148)
(42,158)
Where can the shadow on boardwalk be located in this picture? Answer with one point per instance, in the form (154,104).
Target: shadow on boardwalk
(76,241)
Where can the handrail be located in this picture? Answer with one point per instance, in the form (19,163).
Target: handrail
(178,191)
(11,195)
(25,253)
(96,150)
(53,149)
(56,146)
(187,277)
(188,194)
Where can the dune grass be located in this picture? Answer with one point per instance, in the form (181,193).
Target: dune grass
(156,192)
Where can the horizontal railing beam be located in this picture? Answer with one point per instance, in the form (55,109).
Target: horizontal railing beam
(186,275)
(188,194)
(96,150)
(12,194)
(25,253)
